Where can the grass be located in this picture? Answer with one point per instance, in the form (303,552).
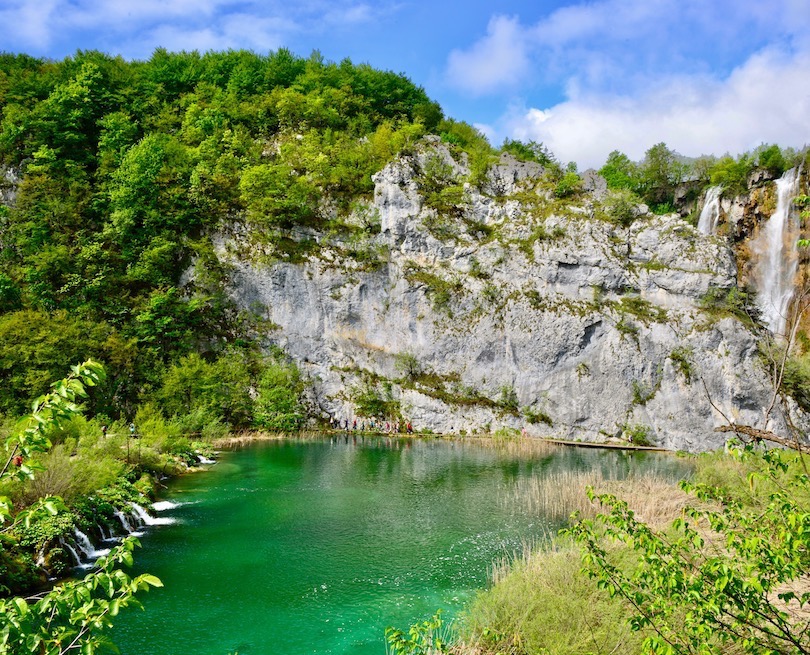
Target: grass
(540,602)
(543,604)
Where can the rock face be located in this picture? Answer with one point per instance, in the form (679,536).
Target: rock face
(510,308)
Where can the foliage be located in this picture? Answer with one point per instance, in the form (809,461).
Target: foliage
(126,169)
(619,172)
(408,364)
(681,359)
(699,590)
(214,389)
(373,401)
(425,638)
(537,416)
(73,615)
(621,207)
(441,290)
(796,379)
(636,433)
(508,399)
(34,347)
(642,309)
(569,185)
(721,303)
(659,174)
(546,605)
(278,404)
(531,151)
(732,174)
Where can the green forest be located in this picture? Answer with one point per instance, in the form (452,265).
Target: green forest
(116,178)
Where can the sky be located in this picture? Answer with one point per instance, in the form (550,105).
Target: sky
(582,77)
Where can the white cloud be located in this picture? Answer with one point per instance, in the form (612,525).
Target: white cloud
(31,20)
(137,27)
(767,99)
(498,60)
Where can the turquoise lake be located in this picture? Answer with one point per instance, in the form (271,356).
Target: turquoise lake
(297,547)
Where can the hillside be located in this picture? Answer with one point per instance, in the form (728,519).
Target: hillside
(281,222)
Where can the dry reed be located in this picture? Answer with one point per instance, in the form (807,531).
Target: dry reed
(654,499)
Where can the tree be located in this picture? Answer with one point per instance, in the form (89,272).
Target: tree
(660,173)
(72,616)
(278,405)
(620,172)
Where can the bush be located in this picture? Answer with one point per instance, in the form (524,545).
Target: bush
(569,185)
(725,577)
(621,207)
(734,302)
(371,401)
(278,402)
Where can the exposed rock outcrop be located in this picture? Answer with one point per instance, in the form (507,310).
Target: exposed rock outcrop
(518,310)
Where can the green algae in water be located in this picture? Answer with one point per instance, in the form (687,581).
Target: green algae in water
(294,547)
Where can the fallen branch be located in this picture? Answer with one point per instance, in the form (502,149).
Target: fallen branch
(763,435)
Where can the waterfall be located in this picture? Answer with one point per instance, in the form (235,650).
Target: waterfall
(202,459)
(163,505)
(72,551)
(144,516)
(128,527)
(777,256)
(710,214)
(86,546)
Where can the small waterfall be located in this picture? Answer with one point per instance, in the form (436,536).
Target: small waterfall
(86,546)
(146,519)
(202,459)
(777,255)
(41,558)
(72,551)
(128,527)
(710,214)
(163,505)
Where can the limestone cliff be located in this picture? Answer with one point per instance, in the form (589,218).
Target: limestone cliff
(469,308)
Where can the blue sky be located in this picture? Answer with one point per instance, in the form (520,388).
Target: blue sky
(585,78)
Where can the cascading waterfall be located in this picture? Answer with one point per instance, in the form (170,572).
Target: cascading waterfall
(86,546)
(125,523)
(710,214)
(146,519)
(72,551)
(777,256)
(163,505)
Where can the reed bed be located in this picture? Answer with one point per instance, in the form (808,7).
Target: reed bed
(242,439)
(654,498)
(518,447)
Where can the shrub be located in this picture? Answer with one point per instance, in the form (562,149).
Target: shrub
(637,434)
(278,403)
(508,399)
(621,207)
(569,185)
(408,364)
(370,400)
(732,302)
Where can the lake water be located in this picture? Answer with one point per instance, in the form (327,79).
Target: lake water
(299,547)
